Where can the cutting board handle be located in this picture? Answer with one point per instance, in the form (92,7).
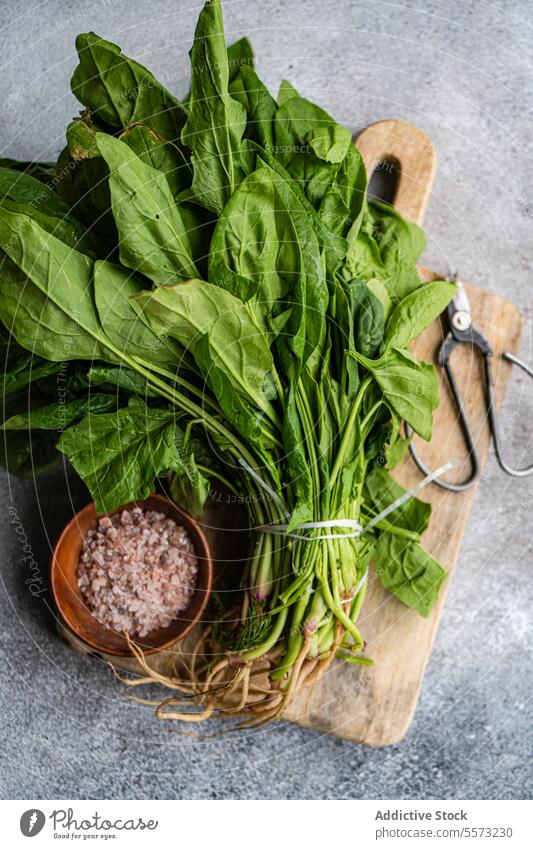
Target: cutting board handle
(414,158)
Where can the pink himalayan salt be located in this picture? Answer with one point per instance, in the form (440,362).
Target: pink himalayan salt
(137,571)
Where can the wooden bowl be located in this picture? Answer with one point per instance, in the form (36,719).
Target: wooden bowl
(76,614)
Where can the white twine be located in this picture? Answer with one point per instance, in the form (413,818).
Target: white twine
(410,493)
(281,530)
(351,524)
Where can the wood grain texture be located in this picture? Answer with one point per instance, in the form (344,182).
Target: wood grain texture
(375,705)
(413,156)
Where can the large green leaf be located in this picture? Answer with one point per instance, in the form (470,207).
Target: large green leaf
(319,154)
(23,193)
(72,233)
(60,414)
(332,244)
(240,55)
(296,120)
(260,106)
(343,203)
(122,378)
(20,367)
(381,490)
(43,171)
(153,237)
(386,246)
(216,121)
(23,188)
(329,142)
(47,300)
(264,243)
(26,453)
(189,311)
(120,91)
(409,572)
(362,323)
(115,290)
(238,411)
(162,155)
(82,181)
(285,92)
(410,387)
(119,455)
(416,311)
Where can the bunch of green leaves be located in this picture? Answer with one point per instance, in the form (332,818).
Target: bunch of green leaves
(222,302)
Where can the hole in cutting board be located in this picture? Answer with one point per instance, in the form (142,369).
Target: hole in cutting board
(383,183)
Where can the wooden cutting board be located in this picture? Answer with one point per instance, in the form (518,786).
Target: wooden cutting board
(375,705)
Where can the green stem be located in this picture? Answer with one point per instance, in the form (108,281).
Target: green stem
(399,532)
(358,602)
(343,447)
(176,378)
(295,639)
(214,473)
(275,634)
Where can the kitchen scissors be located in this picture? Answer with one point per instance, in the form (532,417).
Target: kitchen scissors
(461,331)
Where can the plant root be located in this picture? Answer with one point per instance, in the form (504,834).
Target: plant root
(182,716)
(209,683)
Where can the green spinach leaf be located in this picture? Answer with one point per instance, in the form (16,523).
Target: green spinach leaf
(409,572)
(245,419)
(27,453)
(119,455)
(45,172)
(153,238)
(265,247)
(381,490)
(216,121)
(188,311)
(240,55)
(417,311)
(20,367)
(120,91)
(47,301)
(82,181)
(115,291)
(124,379)
(260,106)
(68,230)
(285,92)
(162,155)
(59,415)
(410,387)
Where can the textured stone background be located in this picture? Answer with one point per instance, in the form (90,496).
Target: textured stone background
(463,72)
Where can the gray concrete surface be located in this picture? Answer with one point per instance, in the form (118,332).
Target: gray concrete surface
(463,72)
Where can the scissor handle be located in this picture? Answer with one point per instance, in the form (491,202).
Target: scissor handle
(451,341)
(467,432)
(491,406)
(444,360)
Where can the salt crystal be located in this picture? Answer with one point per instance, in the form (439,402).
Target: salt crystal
(137,571)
